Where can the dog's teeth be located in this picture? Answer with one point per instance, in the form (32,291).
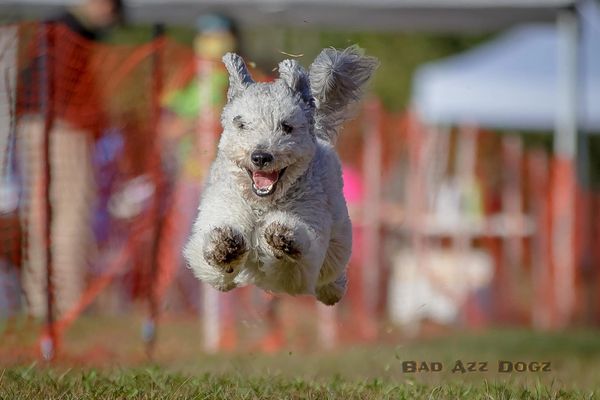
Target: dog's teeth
(263,190)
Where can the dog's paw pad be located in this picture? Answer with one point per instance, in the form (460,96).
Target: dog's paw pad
(281,239)
(226,247)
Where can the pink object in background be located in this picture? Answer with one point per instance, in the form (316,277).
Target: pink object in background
(353,186)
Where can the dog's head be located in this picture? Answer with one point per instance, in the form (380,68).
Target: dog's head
(268,128)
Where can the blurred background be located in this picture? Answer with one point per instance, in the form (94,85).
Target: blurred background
(471,172)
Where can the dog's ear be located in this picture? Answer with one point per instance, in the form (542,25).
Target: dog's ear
(292,73)
(239,76)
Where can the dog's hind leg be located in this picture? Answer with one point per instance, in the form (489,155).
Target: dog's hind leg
(329,294)
(332,277)
(331,286)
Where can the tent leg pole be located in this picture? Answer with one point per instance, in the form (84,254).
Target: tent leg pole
(564,169)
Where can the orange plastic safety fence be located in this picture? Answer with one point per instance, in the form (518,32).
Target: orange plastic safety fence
(82,169)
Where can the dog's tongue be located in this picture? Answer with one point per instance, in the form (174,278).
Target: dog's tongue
(263,179)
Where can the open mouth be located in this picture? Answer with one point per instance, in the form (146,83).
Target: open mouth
(264,183)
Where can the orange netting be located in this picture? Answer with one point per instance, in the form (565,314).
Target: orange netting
(82,161)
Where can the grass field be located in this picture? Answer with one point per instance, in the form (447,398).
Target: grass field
(154,383)
(112,366)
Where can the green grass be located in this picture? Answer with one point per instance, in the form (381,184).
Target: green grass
(154,383)
(104,359)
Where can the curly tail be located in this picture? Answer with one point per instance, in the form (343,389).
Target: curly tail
(337,82)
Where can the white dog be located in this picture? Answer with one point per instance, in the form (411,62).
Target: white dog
(273,213)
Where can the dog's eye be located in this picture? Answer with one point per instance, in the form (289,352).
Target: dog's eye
(286,128)
(238,123)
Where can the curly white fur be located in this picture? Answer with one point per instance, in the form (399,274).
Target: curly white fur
(293,236)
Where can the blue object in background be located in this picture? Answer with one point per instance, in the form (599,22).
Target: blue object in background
(107,151)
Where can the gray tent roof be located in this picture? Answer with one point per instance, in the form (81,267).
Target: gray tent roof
(430,15)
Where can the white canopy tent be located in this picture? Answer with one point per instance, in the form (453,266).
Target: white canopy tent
(536,78)
(512,82)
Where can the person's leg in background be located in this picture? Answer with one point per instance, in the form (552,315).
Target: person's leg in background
(30,133)
(72,194)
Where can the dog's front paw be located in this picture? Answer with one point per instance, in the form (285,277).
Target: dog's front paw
(282,240)
(225,249)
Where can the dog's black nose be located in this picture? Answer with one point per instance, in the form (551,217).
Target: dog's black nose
(261,159)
